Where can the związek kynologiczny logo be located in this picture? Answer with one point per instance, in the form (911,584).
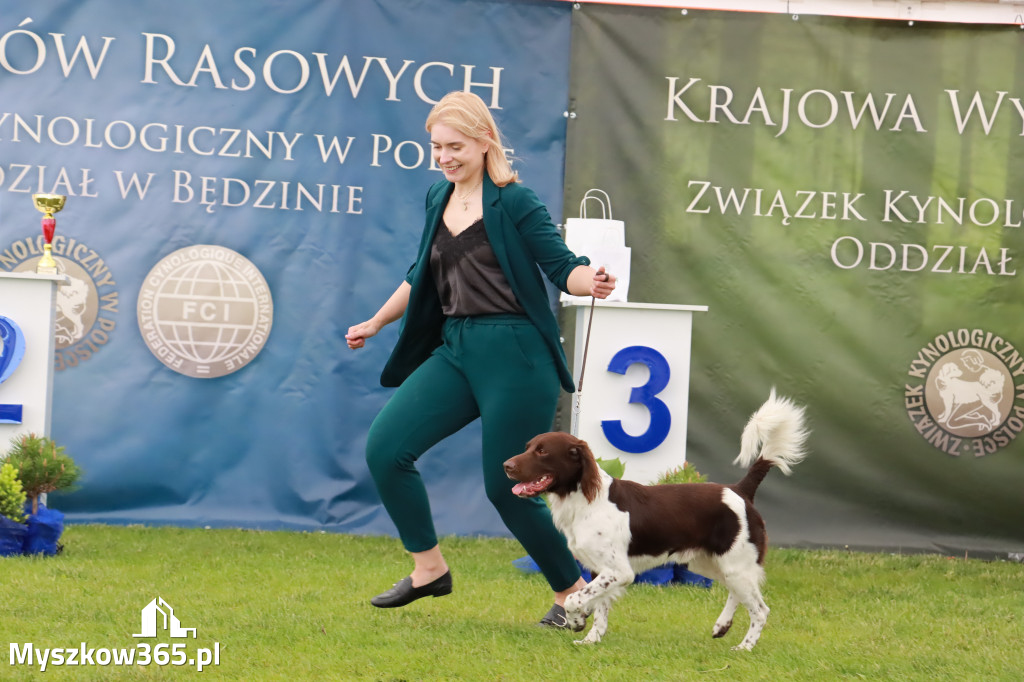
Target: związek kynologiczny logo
(157,615)
(961,395)
(205,311)
(87,304)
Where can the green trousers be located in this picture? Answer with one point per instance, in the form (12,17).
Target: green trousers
(497,368)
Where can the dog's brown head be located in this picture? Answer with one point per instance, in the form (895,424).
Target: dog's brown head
(557,463)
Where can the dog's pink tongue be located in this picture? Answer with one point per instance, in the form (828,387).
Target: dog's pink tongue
(530,488)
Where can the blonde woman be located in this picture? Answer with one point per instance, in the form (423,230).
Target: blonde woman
(478,341)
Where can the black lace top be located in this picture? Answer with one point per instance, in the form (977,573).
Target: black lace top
(468,277)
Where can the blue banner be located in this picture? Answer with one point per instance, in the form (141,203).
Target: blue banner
(244,181)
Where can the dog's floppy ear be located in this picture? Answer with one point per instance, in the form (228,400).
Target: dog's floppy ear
(590,481)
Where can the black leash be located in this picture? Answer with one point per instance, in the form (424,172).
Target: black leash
(583,367)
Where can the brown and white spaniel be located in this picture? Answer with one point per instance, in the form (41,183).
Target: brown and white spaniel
(619,528)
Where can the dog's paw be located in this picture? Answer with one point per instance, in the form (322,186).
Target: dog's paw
(576,623)
(744,646)
(591,638)
(575,616)
(720,630)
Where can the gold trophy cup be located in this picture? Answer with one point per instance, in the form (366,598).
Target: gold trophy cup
(48,204)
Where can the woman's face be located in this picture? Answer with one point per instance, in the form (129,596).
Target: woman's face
(461,158)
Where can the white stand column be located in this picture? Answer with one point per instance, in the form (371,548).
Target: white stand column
(636,386)
(28,308)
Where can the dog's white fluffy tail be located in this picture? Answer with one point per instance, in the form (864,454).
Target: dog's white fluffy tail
(776,432)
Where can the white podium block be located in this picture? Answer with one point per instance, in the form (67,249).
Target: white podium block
(636,384)
(28,309)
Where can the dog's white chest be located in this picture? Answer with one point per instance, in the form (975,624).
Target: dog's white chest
(593,530)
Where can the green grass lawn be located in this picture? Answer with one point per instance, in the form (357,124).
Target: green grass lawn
(295,606)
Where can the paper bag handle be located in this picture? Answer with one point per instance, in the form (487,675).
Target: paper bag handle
(606,213)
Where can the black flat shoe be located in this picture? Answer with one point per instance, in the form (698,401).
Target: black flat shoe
(555,618)
(403,592)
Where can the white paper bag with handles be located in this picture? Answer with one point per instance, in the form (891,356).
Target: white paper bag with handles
(603,240)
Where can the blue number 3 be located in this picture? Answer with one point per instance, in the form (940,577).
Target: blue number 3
(661,417)
(12,350)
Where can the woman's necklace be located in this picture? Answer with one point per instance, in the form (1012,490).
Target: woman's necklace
(464,198)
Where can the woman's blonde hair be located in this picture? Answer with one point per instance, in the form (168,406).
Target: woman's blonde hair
(467,113)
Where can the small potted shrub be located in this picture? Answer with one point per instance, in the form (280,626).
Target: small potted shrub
(43,467)
(12,512)
(684,474)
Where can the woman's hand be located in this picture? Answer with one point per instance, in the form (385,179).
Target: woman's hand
(603,284)
(391,311)
(586,281)
(358,333)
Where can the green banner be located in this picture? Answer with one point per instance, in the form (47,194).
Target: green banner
(846,197)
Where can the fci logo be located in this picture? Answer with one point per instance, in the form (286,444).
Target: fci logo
(205,311)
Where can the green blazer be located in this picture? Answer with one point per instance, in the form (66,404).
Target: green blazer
(523,237)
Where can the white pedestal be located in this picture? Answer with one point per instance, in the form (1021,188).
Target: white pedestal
(636,384)
(28,308)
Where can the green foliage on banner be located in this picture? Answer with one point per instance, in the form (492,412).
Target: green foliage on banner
(857,233)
